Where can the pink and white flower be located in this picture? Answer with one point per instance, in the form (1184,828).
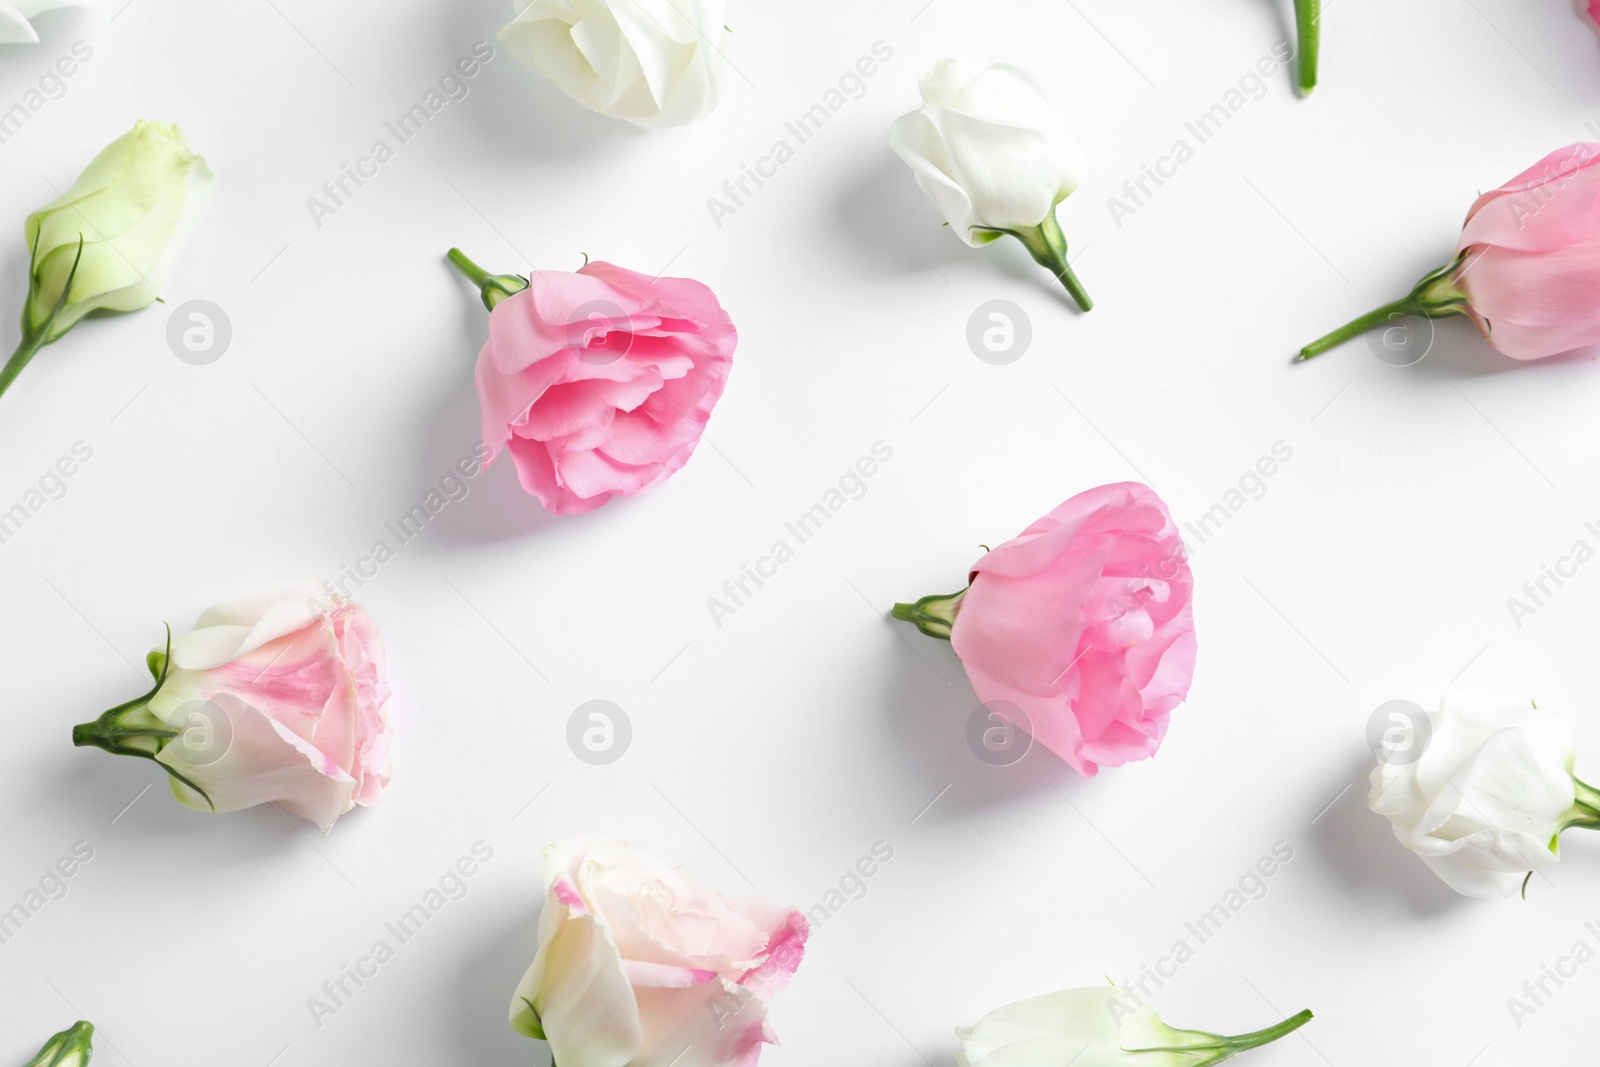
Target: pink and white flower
(277,695)
(638,967)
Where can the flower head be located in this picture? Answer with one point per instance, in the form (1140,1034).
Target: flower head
(654,63)
(638,967)
(1079,631)
(277,695)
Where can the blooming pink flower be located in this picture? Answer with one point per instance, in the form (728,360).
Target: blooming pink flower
(1527,270)
(1590,10)
(275,695)
(1080,630)
(638,967)
(1531,266)
(599,382)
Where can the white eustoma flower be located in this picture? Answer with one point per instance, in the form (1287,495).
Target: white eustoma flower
(654,63)
(108,243)
(15,27)
(1488,795)
(992,155)
(1098,1027)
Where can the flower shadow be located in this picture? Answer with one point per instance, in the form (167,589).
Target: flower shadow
(885,217)
(1361,852)
(932,708)
(480,992)
(494,506)
(520,112)
(135,796)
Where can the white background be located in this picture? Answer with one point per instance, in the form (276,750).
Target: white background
(771,753)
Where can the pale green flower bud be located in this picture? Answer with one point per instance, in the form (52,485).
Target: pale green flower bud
(69,1048)
(133,208)
(108,243)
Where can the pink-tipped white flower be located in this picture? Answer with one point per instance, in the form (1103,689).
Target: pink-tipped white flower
(638,967)
(277,695)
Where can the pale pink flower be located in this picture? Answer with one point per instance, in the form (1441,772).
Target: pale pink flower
(638,967)
(277,695)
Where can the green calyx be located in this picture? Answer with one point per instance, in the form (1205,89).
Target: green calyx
(1308,51)
(132,729)
(493,287)
(70,1048)
(1048,247)
(1214,1048)
(35,335)
(933,615)
(1436,296)
(1585,810)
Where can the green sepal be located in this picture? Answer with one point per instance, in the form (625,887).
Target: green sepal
(934,615)
(492,287)
(1048,247)
(527,1021)
(70,1048)
(132,729)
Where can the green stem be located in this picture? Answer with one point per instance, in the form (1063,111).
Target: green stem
(1585,811)
(1270,1034)
(30,346)
(493,287)
(933,615)
(1356,327)
(1435,296)
(1048,247)
(1308,21)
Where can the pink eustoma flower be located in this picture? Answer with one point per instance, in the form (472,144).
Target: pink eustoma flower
(277,695)
(1590,10)
(598,382)
(1080,630)
(1527,269)
(638,967)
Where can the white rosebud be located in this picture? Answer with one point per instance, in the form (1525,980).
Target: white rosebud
(1100,1026)
(1485,800)
(654,63)
(108,243)
(15,27)
(991,154)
